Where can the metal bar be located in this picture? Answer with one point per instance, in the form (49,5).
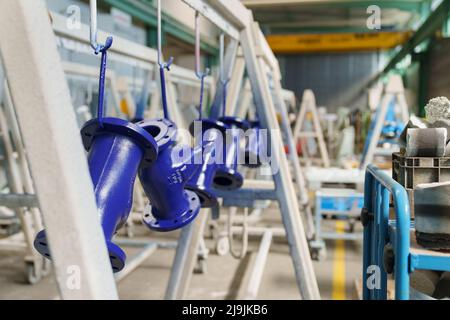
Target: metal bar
(162,66)
(412,5)
(93,21)
(402,223)
(318,219)
(259,231)
(159,28)
(344,236)
(15,181)
(247,194)
(245,102)
(425,31)
(235,85)
(233,11)
(367,234)
(254,282)
(212,15)
(136,261)
(14,200)
(76,237)
(185,257)
(376,132)
(384,218)
(16,136)
(147,13)
(298,172)
(142,243)
(200,74)
(228,66)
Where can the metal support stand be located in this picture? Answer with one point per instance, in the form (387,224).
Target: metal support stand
(308,105)
(254,55)
(293,157)
(20,182)
(287,198)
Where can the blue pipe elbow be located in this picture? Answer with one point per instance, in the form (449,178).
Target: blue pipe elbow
(227,176)
(116,150)
(202,182)
(164,181)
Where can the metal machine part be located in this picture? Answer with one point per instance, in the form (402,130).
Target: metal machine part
(227,176)
(212,141)
(164,181)
(116,149)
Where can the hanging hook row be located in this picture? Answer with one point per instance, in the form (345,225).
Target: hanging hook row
(201,75)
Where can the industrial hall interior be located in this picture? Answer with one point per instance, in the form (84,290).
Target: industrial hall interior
(215,150)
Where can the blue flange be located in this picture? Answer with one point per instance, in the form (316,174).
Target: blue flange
(227,176)
(121,128)
(164,181)
(202,181)
(116,150)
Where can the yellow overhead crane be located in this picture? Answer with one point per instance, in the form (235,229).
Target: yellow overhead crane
(336,42)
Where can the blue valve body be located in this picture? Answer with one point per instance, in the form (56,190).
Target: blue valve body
(202,181)
(227,176)
(116,149)
(172,206)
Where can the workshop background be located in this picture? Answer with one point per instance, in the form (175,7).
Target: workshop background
(334,185)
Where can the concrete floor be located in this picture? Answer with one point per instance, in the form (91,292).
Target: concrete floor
(336,274)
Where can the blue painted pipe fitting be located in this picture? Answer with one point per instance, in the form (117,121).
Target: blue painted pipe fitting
(227,176)
(164,181)
(255,146)
(202,181)
(116,150)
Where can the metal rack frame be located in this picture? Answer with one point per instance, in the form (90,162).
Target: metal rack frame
(76,237)
(379,232)
(238,23)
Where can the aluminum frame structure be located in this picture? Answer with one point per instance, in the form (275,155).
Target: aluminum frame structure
(20,184)
(308,105)
(236,19)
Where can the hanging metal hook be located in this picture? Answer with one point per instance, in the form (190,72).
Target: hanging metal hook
(101,82)
(99,48)
(198,73)
(94,29)
(162,65)
(223,79)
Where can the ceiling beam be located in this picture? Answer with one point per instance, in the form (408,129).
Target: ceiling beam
(320,29)
(336,42)
(428,28)
(406,5)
